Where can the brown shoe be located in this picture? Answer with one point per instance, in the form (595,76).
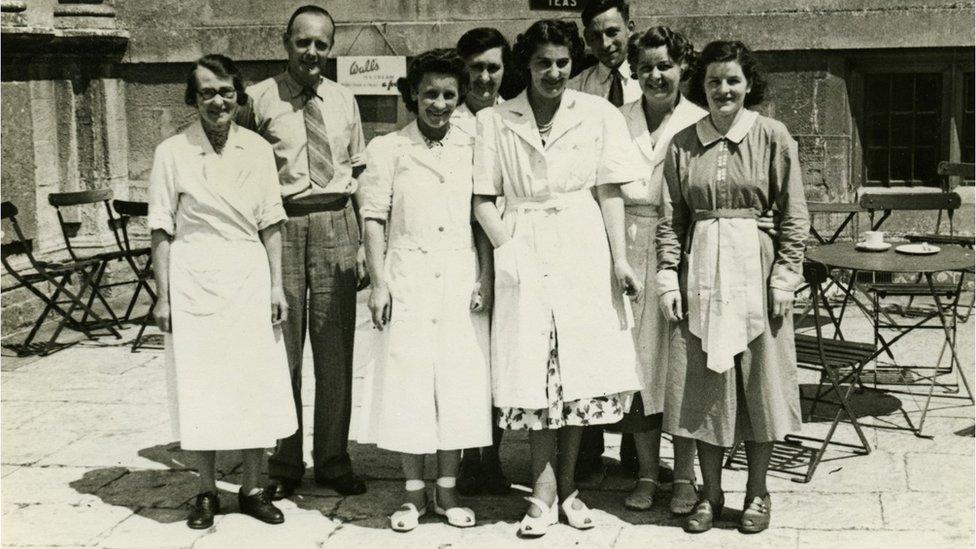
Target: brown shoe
(684,496)
(202,513)
(756,515)
(703,516)
(260,507)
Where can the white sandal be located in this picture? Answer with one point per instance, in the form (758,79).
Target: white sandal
(533,527)
(461,517)
(577,518)
(406,517)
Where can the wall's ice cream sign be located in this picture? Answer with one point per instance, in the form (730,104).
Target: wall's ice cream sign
(371,74)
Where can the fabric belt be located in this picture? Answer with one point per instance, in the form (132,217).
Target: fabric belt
(725,213)
(642,210)
(554,202)
(316,203)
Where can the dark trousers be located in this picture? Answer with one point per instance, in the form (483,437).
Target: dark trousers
(319,278)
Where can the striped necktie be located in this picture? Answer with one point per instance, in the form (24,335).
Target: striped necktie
(320,168)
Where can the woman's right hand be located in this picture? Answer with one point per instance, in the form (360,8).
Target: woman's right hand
(670,303)
(380,305)
(162,315)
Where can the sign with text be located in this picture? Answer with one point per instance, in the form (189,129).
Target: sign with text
(371,74)
(558,5)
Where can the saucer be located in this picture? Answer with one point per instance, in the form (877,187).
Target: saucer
(921,248)
(865,247)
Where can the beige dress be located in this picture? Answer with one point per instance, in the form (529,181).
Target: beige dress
(746,387)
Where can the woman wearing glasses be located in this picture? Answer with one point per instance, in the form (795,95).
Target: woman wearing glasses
(562,354)
(215,213)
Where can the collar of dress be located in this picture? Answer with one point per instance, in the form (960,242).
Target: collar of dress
(707,133)
(198,138)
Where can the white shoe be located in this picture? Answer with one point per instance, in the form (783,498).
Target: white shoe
(577,518)
(461,517)
(533,527)
(406,517)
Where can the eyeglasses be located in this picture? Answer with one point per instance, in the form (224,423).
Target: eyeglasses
(209,93)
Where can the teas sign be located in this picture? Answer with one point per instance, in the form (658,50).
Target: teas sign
(560,5)
(371,74)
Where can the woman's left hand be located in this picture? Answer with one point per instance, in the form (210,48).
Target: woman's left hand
(632,286)
(279,306)
(781,302)
(482,295)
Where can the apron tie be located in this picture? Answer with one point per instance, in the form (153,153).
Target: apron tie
(725,284)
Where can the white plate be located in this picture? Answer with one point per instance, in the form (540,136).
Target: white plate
(865,247)
(921,248)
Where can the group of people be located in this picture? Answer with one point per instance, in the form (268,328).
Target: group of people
(617,249)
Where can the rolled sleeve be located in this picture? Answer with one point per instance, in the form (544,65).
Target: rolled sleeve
(271,210)
(790,201)
(375,193)
(163,196)
(487,179)
(620,161)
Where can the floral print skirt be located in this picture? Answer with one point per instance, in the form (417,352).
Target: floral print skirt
(559,413)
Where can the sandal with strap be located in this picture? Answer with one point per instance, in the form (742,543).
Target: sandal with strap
(683,499)
(703,516)
(756,515)
(460,517)
(406,517)
(533,527)
(577,518)
(641,502)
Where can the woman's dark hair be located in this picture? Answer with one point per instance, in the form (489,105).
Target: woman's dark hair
(222,67)
(436,61)
(546,31)
(680,49)
(592,8)
(722,51)
(480,40)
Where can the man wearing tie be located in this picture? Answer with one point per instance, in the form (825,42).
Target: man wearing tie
(606,29)
(314,127)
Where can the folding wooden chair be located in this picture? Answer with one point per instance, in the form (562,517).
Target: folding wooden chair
(839,363)
(69,231)
(126,211)
(49,281)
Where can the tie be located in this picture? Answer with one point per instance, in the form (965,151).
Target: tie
(616,96)
(319,152)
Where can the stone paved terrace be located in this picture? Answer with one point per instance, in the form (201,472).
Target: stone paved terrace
(88,460)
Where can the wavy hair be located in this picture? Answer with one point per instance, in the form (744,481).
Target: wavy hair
(436,61)
(680,49)
(722,51)
(546,31)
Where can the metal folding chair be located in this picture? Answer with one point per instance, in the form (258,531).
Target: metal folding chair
(126,211)
(50,281)
(839,363)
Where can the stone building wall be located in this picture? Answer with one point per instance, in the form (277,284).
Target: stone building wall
(89,88)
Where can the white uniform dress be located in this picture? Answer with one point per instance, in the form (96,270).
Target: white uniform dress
(642,200)
(555,276)
(229,381)
(431,380)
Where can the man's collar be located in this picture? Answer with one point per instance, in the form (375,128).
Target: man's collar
(707,133)
(604,72)
(295,88)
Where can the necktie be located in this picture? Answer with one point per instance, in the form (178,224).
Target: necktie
(319,151)
(616,96)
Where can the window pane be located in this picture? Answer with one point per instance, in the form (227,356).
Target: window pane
(968,137)
(926,130)
(925,165)
(902,92)
(876,92)
(901,129)
(928,92)
(378,108)
(901,164)
(877,166)
(878,129)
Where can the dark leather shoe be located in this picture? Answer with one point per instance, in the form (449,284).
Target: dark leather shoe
(496,483)
(471,476)
(283,488)
(260,507)
(202,513)
(347,484)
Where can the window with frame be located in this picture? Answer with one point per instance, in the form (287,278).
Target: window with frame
(914,110)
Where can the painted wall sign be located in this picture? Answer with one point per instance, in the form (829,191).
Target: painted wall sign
(559,5)
(371,74)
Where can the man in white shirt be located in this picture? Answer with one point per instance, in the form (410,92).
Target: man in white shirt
(606,29)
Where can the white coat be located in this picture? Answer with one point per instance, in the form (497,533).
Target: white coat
(557,266)
(431,388)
